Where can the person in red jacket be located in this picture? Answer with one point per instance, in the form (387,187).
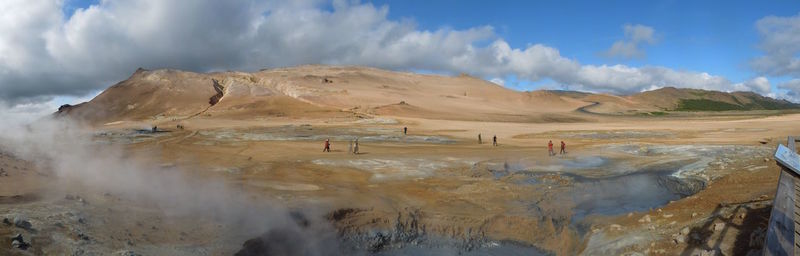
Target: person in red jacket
(327,146)
(550,148)
(563,148)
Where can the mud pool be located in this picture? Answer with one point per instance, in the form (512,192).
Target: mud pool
(629,193)
(625,177)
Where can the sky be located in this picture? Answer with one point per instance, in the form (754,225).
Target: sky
(66,51)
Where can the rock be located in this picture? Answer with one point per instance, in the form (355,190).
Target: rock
(685,231)
(679,239)
(667,216)
(23,223)
(696,237)
(6,221)
(694,214)
(742,215)
(18,242)
(645,219)
(615,227)
(126,253)
(708,253)
(719,226)
(766,159)
(17,237)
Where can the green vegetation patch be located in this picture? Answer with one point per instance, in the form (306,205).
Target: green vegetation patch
(771,105)
(706,105)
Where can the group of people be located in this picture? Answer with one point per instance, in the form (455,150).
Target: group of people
(550,148)
(494,140)
(354,144)
(352,149)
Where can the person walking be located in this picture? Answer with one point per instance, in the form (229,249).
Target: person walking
(494,140)
(350,147)
(480,141)
(405,130)
(550,148)
(355,147)
(327,146)
(563,148)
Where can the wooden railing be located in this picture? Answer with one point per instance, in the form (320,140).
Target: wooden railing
(783,232)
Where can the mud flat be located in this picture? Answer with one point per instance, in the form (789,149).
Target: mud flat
(310,133)
(602,135)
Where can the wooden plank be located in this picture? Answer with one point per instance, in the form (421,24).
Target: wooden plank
(781,232)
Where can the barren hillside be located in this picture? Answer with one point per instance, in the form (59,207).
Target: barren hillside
(315,91)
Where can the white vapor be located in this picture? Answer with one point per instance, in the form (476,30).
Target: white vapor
(45,53)
(69,151)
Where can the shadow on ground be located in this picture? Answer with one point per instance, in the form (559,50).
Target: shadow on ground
(743,225)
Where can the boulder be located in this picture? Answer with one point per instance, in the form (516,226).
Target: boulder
(679,239)
(19,243)
(22,223)
(645,219)
(685,231)
(127,253)
(719,226)
(708,253)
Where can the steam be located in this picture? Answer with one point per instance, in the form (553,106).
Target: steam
(67,149)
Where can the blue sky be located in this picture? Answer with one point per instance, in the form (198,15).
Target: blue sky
(618,47)
(717,37)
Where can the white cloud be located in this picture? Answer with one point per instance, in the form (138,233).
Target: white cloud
(43,53)
(759,84)
(792,90)
(628,48)
(780,42)
(498,81)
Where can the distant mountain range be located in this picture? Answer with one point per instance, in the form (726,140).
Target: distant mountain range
(315,91)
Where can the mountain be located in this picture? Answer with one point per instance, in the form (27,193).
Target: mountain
(335,92)
(315,91)
(674,99)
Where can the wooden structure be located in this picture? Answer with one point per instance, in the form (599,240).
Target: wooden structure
(783,232)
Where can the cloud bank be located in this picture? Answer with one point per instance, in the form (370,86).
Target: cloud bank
(45,53)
